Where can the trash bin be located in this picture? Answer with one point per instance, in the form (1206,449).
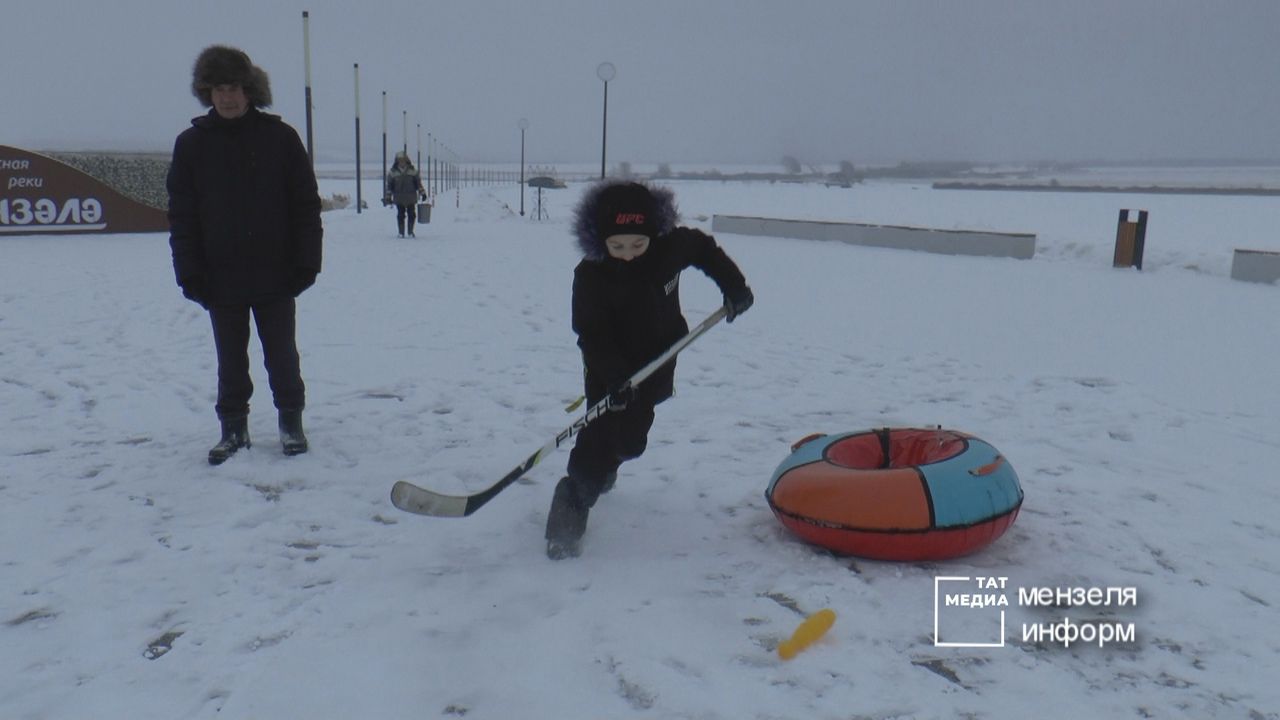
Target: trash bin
(424,212)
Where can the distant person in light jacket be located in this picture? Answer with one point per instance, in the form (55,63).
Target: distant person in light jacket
(404,188)
(245,231)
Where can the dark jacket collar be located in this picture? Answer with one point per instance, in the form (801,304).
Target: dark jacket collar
(213,121)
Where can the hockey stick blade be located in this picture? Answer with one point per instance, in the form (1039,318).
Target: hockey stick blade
(421,501)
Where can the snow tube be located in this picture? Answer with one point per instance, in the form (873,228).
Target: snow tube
(896,493)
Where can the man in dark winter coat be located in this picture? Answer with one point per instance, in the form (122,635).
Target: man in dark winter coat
(626,312)
(245,231)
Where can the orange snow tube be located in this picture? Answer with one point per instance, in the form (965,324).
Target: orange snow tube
(896,493)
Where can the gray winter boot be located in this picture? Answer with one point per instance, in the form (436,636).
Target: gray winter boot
(292,438)
(566,522)
(235,435)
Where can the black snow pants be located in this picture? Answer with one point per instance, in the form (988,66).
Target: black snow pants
(277,323)
(406,213)
(606,443)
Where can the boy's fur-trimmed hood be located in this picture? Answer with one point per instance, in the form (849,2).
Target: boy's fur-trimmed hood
(224,65)
(596,200)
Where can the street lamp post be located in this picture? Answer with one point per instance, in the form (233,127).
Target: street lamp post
(357,87)
(606,72)
(384,148)
(306,52)
(524,125)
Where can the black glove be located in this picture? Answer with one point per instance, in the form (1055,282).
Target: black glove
(302,279)
(196,289)
(738,302)
(386,200)
(620,397)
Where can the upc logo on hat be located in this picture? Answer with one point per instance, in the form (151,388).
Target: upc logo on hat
(629,219)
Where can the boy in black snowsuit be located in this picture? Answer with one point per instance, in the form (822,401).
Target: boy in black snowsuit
(626,312)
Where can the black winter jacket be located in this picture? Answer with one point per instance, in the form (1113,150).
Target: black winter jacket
(628,313)
(244,211)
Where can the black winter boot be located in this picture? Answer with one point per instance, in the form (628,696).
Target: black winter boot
(291,435)
(566,522)
(410,223)
(235,435)
(399,227)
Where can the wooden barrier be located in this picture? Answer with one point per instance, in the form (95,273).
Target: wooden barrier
(1131,240)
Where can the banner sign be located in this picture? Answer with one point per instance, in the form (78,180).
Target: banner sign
(40,195)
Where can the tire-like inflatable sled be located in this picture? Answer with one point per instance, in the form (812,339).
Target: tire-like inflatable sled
(903,494)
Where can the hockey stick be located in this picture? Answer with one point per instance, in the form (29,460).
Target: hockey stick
(421,501)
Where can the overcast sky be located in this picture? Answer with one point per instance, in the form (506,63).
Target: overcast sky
(697,80)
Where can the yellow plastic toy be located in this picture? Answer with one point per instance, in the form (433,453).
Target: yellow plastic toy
(813,627)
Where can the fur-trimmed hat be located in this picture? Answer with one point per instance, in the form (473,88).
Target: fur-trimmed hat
(622,208)
(224,65)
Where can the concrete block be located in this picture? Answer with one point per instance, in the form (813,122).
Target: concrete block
(947,242)
(1255,265)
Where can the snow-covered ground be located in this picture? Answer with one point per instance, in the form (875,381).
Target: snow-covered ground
(1140,409)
